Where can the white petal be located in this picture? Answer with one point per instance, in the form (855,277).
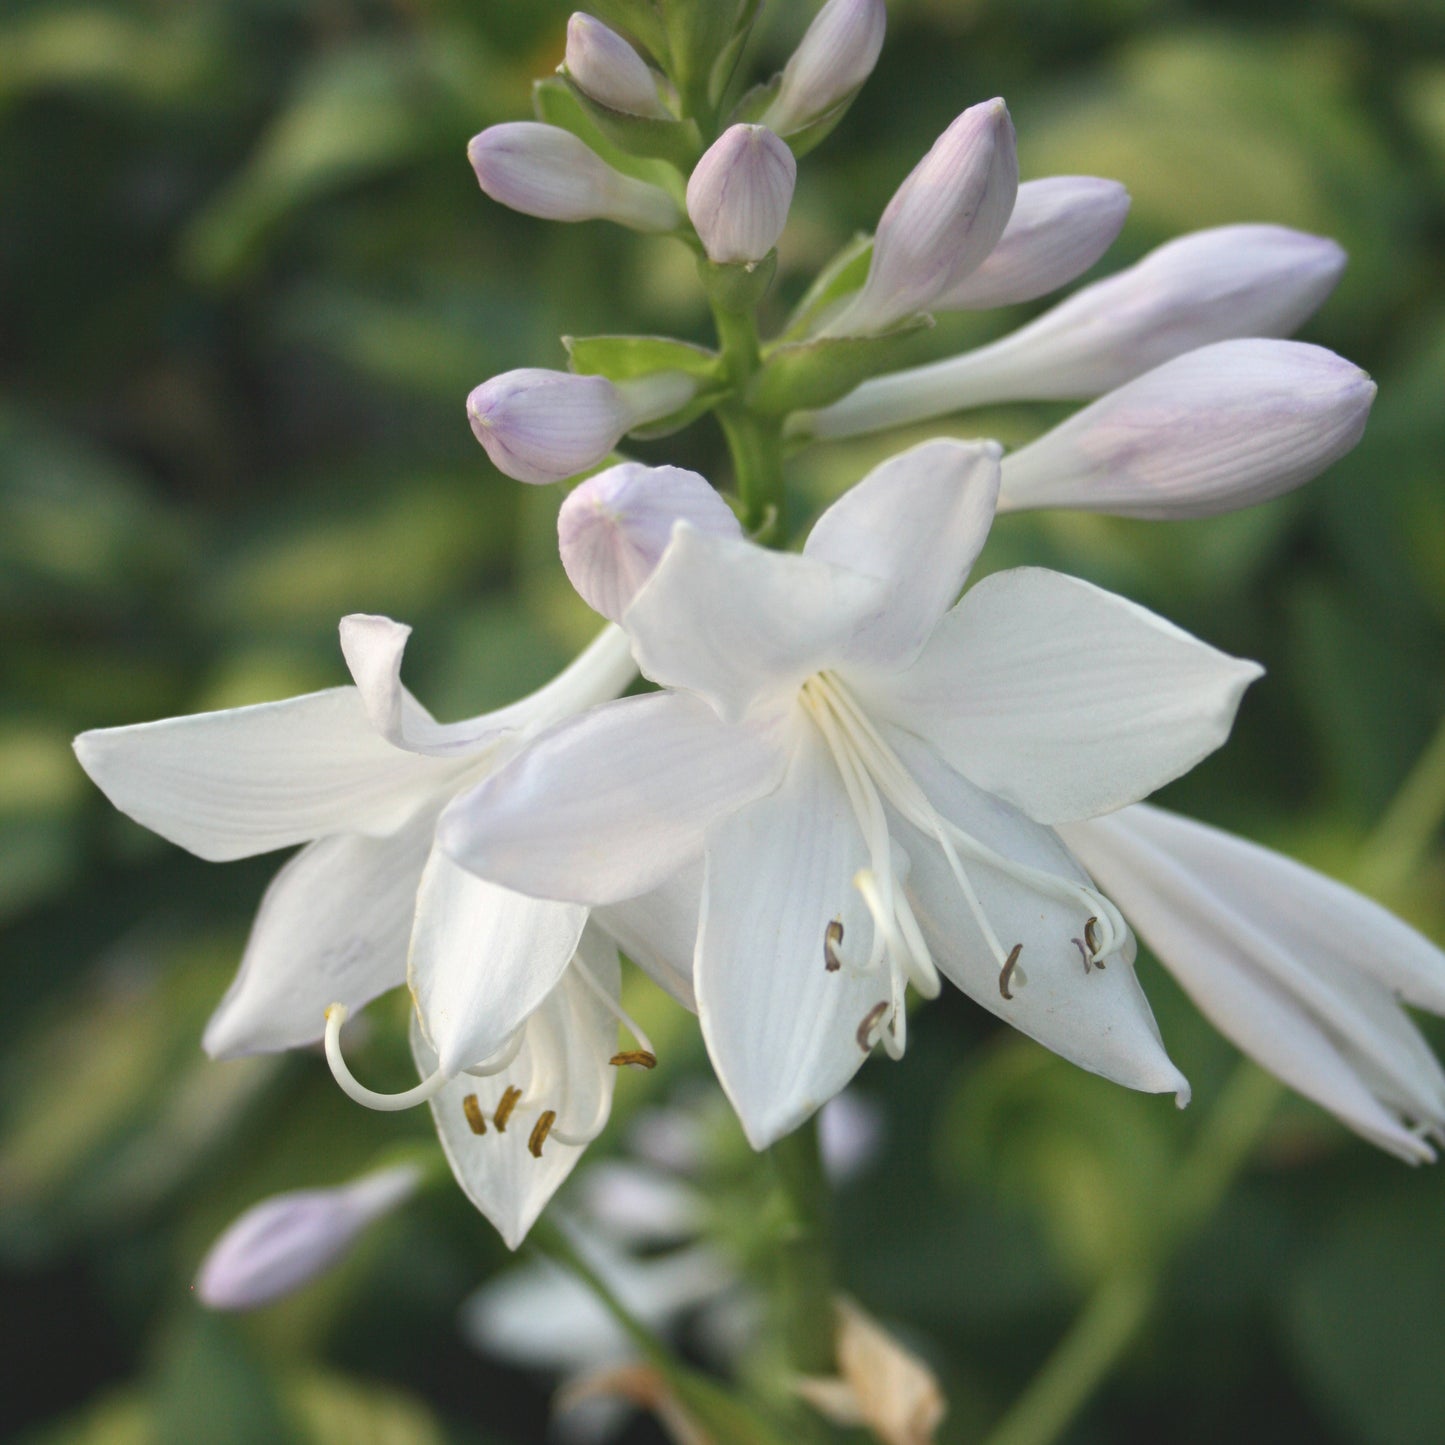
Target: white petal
(739,193)
(250,779)
(743,627)
(1059,227)
(833,59)
(332,928)
(603,65)
(1096,1018)
(1222,427)
(611,804)
(1061,698)
(482,958)
(562,1065)
(917,522)
(657,930)
(1216,955)
(780,1027)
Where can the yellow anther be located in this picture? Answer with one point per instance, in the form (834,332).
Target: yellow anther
(540,1130)
(832,937)
(1007,972)
(504,1109)
(634,1058)
(476,1120)
(870,1020)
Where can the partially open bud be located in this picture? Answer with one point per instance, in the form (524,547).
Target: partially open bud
(284,1242)
(941,223)
(739,193)
(613,529)
(543,170)
(1222,427)
(832,60)
(604,66)
(540,426)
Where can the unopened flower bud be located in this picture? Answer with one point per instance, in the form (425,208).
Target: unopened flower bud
(1222,427)
(604,66)
(739,193)
(1059,227)
(284,1242)
(543,170)
(541,426)
(832,60)
(613,529)
(941,223)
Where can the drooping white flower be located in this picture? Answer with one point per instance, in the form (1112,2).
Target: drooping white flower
(604,66)
(286,1241)
(543,170)
(1305,975)
(739,193)
(833,59)
(867,776)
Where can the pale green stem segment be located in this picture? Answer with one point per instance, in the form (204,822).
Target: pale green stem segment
(1112,1318)
(804,1284)
(754,442)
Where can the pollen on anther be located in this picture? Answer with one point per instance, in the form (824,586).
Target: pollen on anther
(634,1058)
(540,1130)
(476,1120)
(1007,971)
(504,1108)
(870,1020)
(1091,936)
(832,937)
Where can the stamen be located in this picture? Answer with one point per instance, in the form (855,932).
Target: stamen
(540,1129)
(504,1109)
(832,937)
(644,1044)
(386,1103)
(1006,974)
(476,1120)
(1091,935)
(634,1058)
(870,1020)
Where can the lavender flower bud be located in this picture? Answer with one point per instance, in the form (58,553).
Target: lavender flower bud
(1222,427)
(941,223)
(604,66)
(613,529)
(833,59)
(739,193)
(543,170)
(540,426)
(284,1242)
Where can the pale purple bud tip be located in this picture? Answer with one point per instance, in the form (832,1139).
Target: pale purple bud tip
(739,193)
(284,1242)
(604,66)
(1222,427)
(540,426)
(833,59)
(613,529)
(945,218)
(543,170)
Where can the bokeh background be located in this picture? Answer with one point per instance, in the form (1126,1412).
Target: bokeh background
(246,281)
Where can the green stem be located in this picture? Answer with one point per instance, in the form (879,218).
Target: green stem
(804,1281)
(754,442)
(1402,836)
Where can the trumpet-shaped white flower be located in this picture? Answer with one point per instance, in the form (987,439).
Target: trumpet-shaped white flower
(739,193)
(867,776)
(1303,974)
(833,59)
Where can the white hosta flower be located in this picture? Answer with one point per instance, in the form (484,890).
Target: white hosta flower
(1305,975)
(739,193)
(604,66)
(543,170)
(867,776)
(941,223)
(1058,228)
(1222,427)
(286,1241)
(833,59)
(540,426)
(1234,281)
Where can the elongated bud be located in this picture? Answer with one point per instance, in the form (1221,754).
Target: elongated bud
(832,60)
(613,529)
(604,66)
(540,426)
(543,170)
(739,193)
(1222,427)
(284,1242)
(941,223)
(1059,227)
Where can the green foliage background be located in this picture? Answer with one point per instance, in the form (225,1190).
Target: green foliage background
(246,280)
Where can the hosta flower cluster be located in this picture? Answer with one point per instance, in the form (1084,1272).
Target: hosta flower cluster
(846,776)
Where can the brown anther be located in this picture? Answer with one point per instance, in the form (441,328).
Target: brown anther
(1091,936)
(1007,972)
(865,1029)
(476,1120)
(634,1058)
(832,937)
(504,1109)
(540,1130)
